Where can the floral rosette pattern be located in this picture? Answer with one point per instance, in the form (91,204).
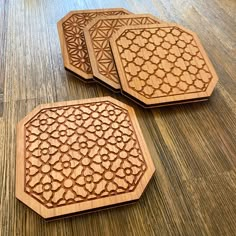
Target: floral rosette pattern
(81,152)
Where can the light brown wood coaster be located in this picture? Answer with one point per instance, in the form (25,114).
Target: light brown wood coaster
(97,35)
(73,46)
(79,156)
(162,65)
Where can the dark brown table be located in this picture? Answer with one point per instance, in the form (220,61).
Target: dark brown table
(193,146)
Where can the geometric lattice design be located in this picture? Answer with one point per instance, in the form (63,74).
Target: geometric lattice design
(162,63)
(73,46)
(97,35)
(83,152)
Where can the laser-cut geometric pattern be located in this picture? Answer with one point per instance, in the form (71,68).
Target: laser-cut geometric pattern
(78,153)
(83,152)
(161,63)
(73,45)
(97,35)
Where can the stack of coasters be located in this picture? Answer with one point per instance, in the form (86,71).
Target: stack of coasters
(80,156)
(152,62)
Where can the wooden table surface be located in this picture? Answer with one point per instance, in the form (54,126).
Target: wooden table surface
(193,191)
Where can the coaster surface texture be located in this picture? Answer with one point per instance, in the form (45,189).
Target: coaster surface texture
(73,46)
(97,35)
(162,64)
(80,156)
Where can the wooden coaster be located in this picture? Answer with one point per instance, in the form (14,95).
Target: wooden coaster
(73,46)
(162,64)
(97,35)
(78,156)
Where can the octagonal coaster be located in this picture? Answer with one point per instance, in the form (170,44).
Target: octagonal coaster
(162,64)
(97,34)
(79,156)
(73,46)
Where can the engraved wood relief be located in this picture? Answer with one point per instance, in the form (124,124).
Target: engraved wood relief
(79,153)
(160,63)
(73,44)
(97,35)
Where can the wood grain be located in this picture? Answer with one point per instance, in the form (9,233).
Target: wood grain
(3,28)
(193,190)
(80,156)
(162,64)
